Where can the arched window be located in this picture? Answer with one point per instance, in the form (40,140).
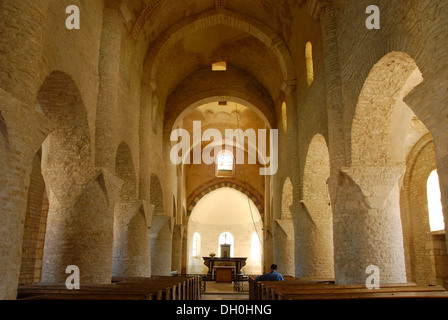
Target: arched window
(436,221)
(226,238)
(196,245)
(309,64)
(219,66)
(225,161)
(255,247)
(284,118)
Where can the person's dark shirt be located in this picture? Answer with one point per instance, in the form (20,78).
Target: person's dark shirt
(271,276)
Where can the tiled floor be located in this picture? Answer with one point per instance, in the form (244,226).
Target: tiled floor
(222,291)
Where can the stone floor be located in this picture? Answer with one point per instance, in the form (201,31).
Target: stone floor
(222,291)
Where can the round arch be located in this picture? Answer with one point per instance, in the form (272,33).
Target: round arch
(287,199)
(223,16)
(203,190)
(414,213)
(381,117)
(205,86)
(213,96)
(259,158)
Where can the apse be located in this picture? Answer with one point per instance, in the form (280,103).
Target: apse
(230,212)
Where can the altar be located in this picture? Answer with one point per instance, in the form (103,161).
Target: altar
(237,263)
(223,273)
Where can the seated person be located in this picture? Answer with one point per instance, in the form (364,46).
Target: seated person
(271,276)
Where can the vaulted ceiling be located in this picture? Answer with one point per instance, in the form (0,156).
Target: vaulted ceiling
(177,39)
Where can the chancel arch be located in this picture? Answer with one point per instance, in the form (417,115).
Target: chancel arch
(202,191)
(224,216)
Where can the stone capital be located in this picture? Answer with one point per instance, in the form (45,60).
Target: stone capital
(128,209)
(288,87)
(285,225)
(375,182)
(148,210)
(160,221)
(67,187)
(27,129)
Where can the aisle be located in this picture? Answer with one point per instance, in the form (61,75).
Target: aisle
(222,291)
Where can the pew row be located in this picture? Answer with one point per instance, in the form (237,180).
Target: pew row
(123,288)
(300,289)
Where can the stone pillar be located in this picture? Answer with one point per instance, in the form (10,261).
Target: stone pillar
(283,230)
(132,250)
(109,73)
(335,110)
(161,245)
(367,225)
(314,225)
(80,224)
(176,260)
(285,195)
(314,241)
(184,258)
(22,29)
(22,133)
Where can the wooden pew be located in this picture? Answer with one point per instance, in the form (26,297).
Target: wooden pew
(174,288)
(336,291)
(259,290)
(154,288)
(97,292)
(187,287)
(431,295)
(300,289)
(270,291)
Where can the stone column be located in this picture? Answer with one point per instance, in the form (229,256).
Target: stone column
(314,241)
(109,73)
(22,29)
(80,224)
(176,263)
(335,108)
(283,230)
(367,224)
(132,250)
(22,133)
(161,245)
(283,217)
